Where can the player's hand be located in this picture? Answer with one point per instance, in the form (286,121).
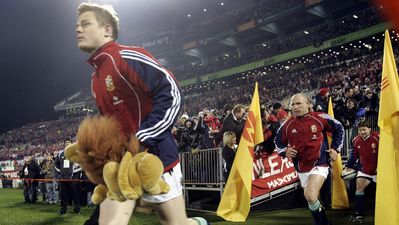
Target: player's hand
(290,152)
(333,154)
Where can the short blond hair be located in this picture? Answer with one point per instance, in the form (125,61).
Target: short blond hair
(105,14)
(227,136)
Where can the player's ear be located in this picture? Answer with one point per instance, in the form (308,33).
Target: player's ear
(108,30)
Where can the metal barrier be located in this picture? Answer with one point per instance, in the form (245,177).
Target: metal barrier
(202,171)
(349,134)
(373,121)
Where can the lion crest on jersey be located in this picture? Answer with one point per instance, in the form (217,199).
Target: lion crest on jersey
(109,83)
(313,128)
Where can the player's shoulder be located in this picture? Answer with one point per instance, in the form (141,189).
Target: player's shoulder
(135,53)
(321,115)
(375,135)
(288,122)
(132,49)
(357,138)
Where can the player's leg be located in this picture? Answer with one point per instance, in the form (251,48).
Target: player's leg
(361,184)
(93,220)
(315,180)
(170,207)
(173,212)
(113,212)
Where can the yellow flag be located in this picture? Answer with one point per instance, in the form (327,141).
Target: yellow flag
(387,197)
(235,203)
(339,196)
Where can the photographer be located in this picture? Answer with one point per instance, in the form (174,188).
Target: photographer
(30,171)
(189,137)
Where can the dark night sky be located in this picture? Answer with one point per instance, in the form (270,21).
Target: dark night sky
(40,62)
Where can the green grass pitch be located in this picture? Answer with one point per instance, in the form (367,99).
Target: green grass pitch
(13,211)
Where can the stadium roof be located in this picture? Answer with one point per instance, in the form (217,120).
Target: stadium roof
(172,19)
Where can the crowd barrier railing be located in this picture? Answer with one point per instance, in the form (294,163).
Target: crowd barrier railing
(202,171)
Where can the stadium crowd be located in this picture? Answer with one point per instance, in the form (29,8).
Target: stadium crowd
(354,72)
(355,69)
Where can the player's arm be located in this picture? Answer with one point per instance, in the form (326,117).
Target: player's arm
(281,141)
(337,131)
(164,90)
(354,156)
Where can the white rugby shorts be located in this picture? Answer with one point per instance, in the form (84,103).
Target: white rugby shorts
(360,174)
(174,179)
(318,170)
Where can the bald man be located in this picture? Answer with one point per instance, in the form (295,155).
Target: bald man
(303,139)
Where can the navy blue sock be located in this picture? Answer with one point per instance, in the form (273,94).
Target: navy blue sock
(318,213)
(359,203)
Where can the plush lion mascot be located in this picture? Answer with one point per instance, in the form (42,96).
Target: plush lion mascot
(112,161)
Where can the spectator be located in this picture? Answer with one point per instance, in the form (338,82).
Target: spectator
(276,108)
(214,126)
(200,127)
(30,172)
(321,100)
(282,116)
(370,103)
(235,121)
(341,102)
(347,116)
(71,174)
(270,125)
(229,151)
(51,186)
